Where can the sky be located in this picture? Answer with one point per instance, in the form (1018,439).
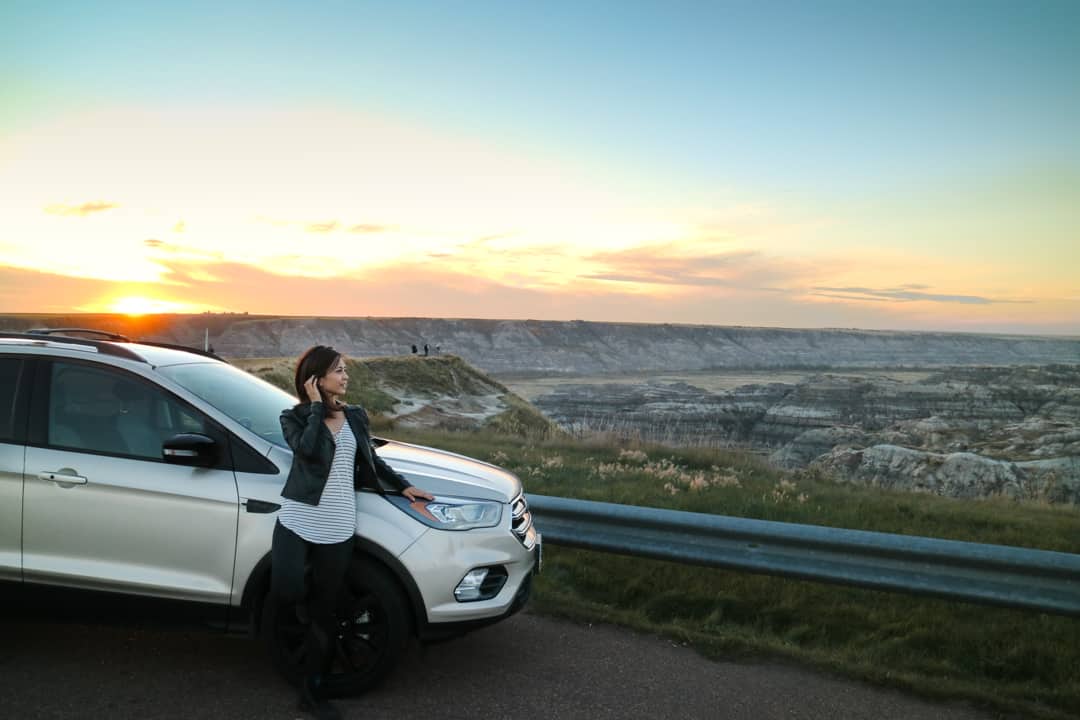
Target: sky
(884,165)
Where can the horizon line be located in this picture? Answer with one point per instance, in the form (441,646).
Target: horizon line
(272,316)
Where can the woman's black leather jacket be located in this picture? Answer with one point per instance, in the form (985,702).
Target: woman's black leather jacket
(313,452)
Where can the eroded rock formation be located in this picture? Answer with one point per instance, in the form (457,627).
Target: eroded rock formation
(962,432)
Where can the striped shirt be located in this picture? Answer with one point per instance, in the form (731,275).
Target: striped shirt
(333,520)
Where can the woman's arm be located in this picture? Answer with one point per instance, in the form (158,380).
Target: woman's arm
(388,473)
(303,437)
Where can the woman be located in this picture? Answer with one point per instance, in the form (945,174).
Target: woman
(332,458)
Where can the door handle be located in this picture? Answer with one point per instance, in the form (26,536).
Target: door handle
(261,506)
(64,477)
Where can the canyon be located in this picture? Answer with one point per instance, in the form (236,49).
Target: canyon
(961,432)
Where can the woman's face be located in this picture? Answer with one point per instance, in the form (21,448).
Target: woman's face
(336,379)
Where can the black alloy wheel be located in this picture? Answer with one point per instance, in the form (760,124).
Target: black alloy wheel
(374,625)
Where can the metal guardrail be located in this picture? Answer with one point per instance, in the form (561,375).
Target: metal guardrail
(990,574)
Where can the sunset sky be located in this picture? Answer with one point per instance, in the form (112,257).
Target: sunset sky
(908,165)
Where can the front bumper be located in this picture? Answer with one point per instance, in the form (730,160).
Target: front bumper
(439,559)
(437,632)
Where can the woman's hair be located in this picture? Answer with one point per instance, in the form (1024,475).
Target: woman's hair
(315,361)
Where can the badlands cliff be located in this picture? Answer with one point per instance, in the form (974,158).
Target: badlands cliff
(578,347)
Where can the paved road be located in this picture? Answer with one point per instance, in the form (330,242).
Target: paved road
(529,667)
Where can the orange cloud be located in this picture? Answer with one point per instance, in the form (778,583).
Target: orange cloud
(166,251)
(427,289)
(904,294)
(670,265)
(83,210)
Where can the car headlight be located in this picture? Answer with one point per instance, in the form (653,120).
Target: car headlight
(451,513)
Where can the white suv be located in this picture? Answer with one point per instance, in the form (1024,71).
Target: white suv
(155,470)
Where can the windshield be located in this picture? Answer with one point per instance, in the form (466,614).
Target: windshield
(254,403)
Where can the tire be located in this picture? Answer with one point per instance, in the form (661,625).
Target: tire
(374,629)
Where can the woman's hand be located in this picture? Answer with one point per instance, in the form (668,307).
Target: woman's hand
(412,493)
(311,385)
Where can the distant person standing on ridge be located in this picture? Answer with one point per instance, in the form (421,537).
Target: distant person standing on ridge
(425,350)
(414,349)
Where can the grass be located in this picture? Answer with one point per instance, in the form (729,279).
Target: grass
(522,420)
(1009,660)
(379,383)
(432,376)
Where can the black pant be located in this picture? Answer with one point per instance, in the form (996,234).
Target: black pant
(290,555)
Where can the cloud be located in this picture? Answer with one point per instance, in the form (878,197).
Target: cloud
(652,279)
(491,238)
(166,251)
(329,226)
(669,265)
(904,294)
(430,290)
(83,210)
(23,290)
(506,245)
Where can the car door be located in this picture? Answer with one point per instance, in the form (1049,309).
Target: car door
(102,510)
(13,392)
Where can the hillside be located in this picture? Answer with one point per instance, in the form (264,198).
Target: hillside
(578,347)
(423,392)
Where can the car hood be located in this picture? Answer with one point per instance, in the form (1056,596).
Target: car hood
(447,473)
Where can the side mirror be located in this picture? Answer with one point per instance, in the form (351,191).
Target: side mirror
(190,449)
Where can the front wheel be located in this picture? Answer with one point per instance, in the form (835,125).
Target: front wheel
(374,624)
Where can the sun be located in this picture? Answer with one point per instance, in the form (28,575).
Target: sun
(137,305)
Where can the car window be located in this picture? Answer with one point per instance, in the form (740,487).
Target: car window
(254,403)
(9,381)
(105,411)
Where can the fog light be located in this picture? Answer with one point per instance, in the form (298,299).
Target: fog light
(469,587)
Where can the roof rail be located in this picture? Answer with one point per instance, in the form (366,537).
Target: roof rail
(104,344)
(185,348)
(103,347)
(84,331)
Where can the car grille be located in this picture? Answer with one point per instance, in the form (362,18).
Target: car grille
(521,522)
